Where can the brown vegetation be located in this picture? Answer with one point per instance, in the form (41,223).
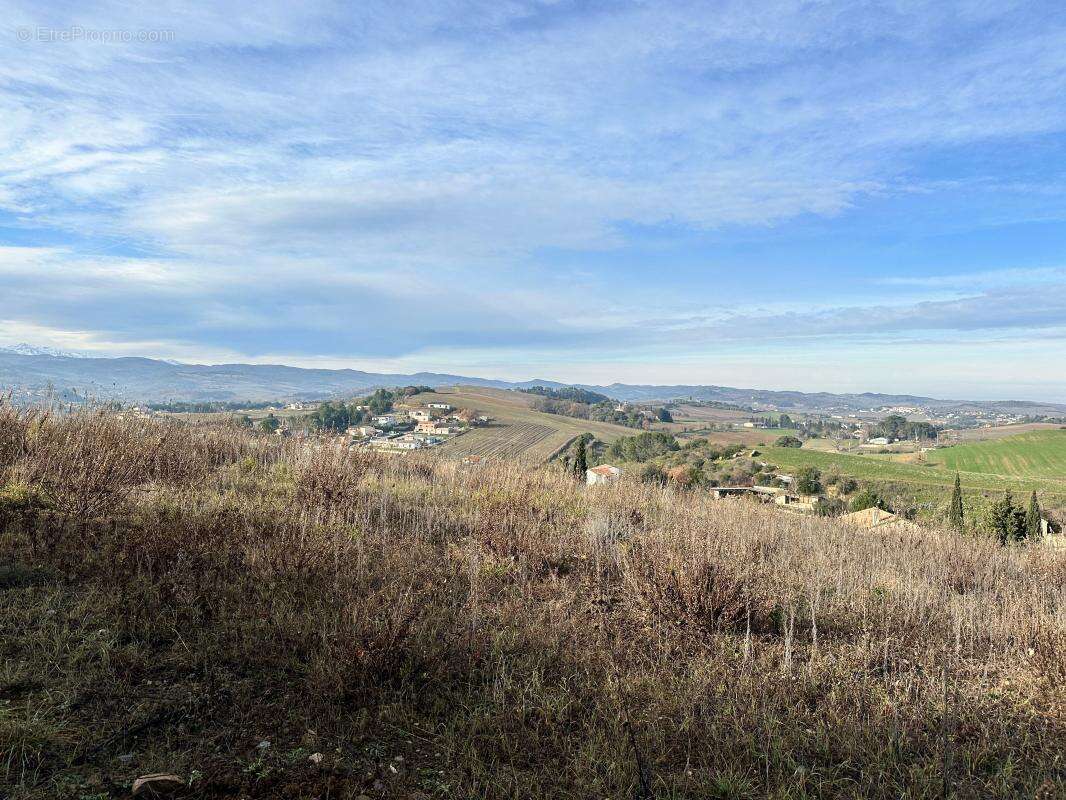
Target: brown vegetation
(264,618)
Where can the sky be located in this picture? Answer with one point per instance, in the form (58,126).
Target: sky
(839,196)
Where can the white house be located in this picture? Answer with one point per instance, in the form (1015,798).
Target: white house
(440,406)
(604,473)
(385,419)
(879,440)
(421,414)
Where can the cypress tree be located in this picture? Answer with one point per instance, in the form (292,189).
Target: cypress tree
(580,459)
(955,512)
(1032,518)
(1003,518)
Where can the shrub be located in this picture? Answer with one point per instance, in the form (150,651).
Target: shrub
(846,485)
(808,480)
(787,441)
(829,507)
(865,499)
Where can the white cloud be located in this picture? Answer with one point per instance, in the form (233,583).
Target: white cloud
(427,158)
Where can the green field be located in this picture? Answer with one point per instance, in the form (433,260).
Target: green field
(1040,454)
(1041,475)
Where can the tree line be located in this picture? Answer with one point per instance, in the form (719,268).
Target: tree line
(1002,518)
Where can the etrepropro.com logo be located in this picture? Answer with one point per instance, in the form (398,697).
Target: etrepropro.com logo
(77,33)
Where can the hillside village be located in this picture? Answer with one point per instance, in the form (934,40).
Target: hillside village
(410,427)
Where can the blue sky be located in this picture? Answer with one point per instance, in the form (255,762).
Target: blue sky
(815,195)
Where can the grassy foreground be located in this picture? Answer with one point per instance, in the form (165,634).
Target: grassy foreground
(267,619)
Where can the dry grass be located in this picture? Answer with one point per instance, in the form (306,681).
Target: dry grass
(507,633)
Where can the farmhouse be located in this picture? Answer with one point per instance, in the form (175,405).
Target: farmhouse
(421,415)
(604,473)
(795,502)
(386,419)
(440,406)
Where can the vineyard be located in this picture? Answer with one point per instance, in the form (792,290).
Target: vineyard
(518,431)
(522,440)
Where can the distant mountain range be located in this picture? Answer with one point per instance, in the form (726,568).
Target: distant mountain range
(31,372)
(23,349)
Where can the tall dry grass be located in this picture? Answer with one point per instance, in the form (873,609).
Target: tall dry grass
(514,634)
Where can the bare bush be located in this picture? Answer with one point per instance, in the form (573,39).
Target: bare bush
(88,462)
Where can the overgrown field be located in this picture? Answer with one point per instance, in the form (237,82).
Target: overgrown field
(264,618)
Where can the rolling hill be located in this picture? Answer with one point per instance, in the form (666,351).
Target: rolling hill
(32,373)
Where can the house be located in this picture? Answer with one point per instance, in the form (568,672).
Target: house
(421,415)
(440,406)
(880,440)
(879,518)
(386,440)
(437,428)
(870,517)
(795,502)
(604,473)
(720,492)
(385,419)
(767,492)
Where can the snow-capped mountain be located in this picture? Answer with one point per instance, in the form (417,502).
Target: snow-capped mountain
(24,349)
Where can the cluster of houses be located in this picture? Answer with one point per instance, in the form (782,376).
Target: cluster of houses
(414,428)
(781,496)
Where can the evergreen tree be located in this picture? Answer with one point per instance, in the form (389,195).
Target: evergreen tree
(1007,519)
(955,512)
(270,423)
(1032,518)
(580,459)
